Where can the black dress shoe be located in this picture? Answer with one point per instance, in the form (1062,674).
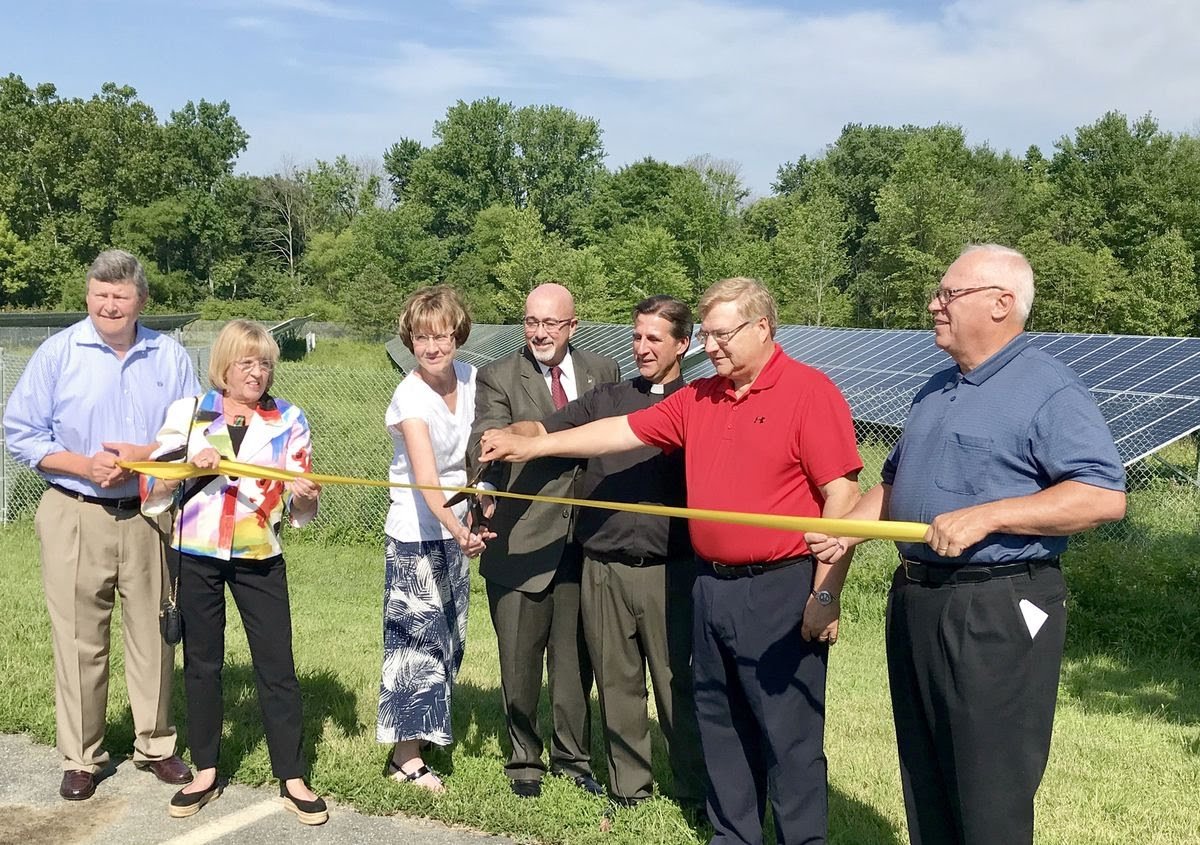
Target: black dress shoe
(627,803)
(77,785)
(184,804)
(169,770)
(526,788)
(585,782)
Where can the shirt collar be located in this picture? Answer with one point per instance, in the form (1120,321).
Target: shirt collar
(999,358)
(644,385)
(767,376)
(564,365)
(87,335)
(212,405)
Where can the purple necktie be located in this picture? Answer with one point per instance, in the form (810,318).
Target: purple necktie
(556,389)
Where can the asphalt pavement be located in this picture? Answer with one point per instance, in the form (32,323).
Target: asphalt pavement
(130,808)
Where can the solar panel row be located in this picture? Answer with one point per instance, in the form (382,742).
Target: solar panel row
(1148,388)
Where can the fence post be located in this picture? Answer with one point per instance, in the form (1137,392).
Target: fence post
(4,484)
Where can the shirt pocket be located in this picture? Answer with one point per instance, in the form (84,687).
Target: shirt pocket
(966,464)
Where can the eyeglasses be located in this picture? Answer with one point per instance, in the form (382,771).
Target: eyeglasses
(249,365)
(719,335)
(426,339)
(947,295)
(550,324)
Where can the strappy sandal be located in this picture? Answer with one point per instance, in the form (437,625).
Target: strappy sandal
(394,772)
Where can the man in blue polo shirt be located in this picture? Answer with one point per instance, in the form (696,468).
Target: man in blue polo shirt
(1005,454)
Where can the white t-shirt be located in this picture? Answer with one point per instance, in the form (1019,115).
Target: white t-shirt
(409,519)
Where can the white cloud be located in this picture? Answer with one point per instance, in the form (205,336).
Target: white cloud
(266,26)
(422,70)
(323,9)
(764,79)
(764,84)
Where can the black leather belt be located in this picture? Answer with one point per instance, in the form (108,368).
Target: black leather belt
(936,574)
(747,570)
(630,560)
(129,503)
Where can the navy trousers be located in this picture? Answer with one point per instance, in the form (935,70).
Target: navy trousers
(760,703)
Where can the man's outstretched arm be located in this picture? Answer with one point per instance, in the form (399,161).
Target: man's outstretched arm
(602,437)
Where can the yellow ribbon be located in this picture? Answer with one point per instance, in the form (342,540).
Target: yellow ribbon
(901,532)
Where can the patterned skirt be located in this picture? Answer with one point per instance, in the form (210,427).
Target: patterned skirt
(425,598)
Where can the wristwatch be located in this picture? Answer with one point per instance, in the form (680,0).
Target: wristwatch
(823,597)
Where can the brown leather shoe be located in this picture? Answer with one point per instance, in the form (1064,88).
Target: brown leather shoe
(169,770)
(77,785)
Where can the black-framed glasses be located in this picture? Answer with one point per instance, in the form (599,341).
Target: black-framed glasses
(947,295)
(549,324)
(720,335)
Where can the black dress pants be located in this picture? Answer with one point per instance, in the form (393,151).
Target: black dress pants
(974,670)
(260,590)
(760,702)
(532,628)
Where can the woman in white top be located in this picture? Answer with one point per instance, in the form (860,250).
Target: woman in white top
(428,545)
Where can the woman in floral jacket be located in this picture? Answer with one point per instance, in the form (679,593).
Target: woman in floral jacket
(227,534)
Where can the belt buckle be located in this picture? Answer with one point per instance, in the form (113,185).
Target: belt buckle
(904,563)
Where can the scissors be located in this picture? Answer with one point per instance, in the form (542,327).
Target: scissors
(479,522)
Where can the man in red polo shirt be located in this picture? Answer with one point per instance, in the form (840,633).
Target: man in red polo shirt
(771,435)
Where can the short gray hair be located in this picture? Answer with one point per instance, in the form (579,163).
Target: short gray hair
(117,265)
(1018,274)
(752,298)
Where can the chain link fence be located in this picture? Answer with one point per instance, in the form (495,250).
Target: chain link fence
(345,407)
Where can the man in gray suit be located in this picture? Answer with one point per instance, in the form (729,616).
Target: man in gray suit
(533,567)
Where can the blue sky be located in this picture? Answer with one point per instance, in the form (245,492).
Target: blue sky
(756,83)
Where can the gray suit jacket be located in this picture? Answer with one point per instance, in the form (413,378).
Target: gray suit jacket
(531,535)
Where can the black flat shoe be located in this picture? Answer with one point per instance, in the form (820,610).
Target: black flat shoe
(309,812)
(184,804)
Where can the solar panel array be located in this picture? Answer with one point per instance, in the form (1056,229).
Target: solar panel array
(1148,388)
(489,342)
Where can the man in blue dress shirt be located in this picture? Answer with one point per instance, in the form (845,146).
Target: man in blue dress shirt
(93,394)
(1005,454)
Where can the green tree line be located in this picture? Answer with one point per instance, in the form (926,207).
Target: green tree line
(506,197)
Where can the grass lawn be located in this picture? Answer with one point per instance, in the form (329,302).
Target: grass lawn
(1125,765)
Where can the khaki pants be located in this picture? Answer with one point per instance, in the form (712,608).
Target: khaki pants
(90,554)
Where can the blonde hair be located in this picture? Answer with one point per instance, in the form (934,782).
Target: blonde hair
(434,306)
(752,298)
(241,339)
